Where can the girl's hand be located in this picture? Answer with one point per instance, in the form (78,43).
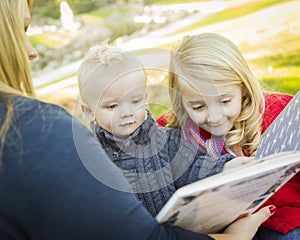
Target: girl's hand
(237,162)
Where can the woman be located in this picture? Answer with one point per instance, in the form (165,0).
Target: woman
(55,180)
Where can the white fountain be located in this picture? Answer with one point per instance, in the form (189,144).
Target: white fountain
(67,17)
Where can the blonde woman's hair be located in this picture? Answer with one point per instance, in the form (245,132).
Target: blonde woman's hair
(15,72)
(15,69)
(213,58)
(100,58)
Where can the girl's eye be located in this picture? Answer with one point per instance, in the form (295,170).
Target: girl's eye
(224,101)
(198,107)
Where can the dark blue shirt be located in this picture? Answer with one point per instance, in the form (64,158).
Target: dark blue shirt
(57,183)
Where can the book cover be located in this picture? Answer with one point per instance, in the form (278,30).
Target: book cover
(284,133)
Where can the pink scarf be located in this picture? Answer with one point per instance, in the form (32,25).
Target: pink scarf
(213,147)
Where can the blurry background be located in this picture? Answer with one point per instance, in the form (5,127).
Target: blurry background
(266,31)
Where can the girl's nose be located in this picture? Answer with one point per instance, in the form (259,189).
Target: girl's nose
(213,117)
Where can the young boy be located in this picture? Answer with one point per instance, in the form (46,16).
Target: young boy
(155,160)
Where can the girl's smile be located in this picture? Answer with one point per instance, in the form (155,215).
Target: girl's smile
(213,108)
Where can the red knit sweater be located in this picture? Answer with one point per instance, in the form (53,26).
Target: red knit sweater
(287,199)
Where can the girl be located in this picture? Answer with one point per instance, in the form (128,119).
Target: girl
(220,108)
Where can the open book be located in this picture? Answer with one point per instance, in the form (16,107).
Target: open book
(211,204)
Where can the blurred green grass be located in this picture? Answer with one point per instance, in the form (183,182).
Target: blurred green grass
(232,13)
(285,84)
(176,1)
(107,12)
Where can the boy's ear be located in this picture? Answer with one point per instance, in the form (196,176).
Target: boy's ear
(88,112)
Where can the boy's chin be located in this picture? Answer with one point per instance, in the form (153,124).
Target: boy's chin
(125,135)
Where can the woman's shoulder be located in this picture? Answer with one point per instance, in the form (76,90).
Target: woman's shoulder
(35,121)
(34,108)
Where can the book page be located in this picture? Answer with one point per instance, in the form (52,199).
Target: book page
(284,133)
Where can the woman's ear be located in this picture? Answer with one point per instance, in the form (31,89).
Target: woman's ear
(88,112)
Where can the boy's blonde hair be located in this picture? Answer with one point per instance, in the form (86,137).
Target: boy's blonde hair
(101,58)
(210,57)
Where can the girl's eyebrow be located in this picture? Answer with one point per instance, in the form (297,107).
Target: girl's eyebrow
(196,101)
(226,94)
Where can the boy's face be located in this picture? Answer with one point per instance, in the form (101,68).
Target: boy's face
(213,108)
(121,107)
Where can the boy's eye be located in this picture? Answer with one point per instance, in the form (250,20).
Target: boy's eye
(136,101)
(113,106)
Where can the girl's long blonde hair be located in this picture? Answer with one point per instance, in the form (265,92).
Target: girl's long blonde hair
(222,62)
(15,72)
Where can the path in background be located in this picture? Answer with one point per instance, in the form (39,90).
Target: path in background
(150,40)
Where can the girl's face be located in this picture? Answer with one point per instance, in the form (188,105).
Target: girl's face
(32,53)
(213,107)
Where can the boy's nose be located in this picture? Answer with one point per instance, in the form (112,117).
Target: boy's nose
(126,112)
